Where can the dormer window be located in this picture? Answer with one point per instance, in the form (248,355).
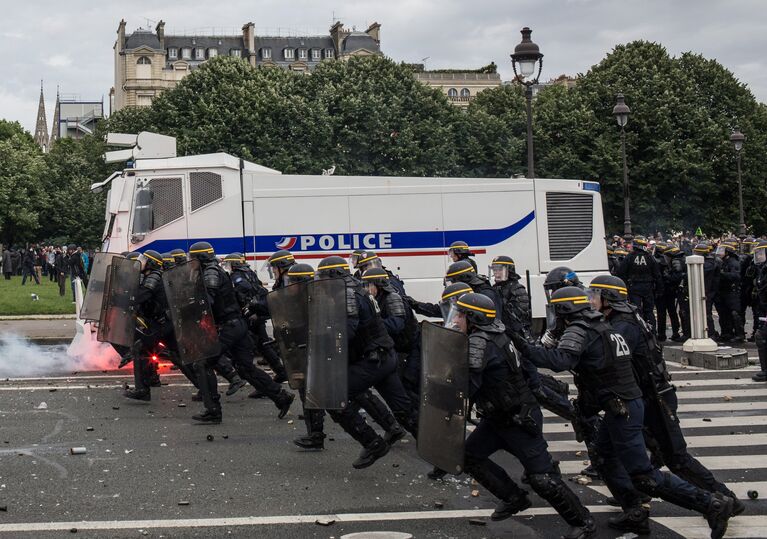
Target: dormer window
(186,53)
(172,53)
(316,54)
(266,53)
(199,54)
(212,53)
(236,53)
(302,54)
(288,54)
(329,53)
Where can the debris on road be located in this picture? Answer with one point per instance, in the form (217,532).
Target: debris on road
(325,521)
(42,406)
(474,493)
(183,502)
(583,480)
(209,437)
(753,494)
(727,398)
(78,450)
(439,505)
(89,429)
(477,522)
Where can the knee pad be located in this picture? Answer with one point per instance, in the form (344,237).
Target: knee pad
(645,483)
(542,483)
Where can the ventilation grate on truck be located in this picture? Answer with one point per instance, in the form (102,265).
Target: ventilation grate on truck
(205,187)
(571,223)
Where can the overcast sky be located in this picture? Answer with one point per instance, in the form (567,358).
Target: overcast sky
(69,44)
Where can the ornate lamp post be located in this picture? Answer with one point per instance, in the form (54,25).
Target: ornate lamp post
(526,56)
(737,138)
(621,112)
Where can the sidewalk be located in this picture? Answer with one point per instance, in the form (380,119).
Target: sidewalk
(43,330)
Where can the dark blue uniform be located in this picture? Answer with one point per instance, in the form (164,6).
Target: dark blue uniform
(641,273)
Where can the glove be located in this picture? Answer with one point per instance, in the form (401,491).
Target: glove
(549,340)
(411,301)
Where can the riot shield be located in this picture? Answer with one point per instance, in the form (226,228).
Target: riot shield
(288,308)
(94,294)
(444,397)
(327,386)
(190,312)
(116,321)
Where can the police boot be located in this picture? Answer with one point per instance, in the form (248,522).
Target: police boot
(436,473)
(512,506)
(138,394)
(315,424)
(311,442)
(761,348)
(371,453)
(551,488)
(235,385)
(283,402)
(197,397)
(208,416)
(590,471)
(635,520)
(720,509)
(394,434)
(153,377)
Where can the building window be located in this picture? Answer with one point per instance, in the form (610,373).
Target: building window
(172,53)
(289,54)
(266,53)
(452,92)
(186,53)
(328,53)
(212,53)
(465,92)
(144,68)
(143,100)
(204,188)
(302,54)
(199,54)
(235,53)
(316,54)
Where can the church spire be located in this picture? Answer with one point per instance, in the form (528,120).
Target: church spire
(55,121)
(41,129)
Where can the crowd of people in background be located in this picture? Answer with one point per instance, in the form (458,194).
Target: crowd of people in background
(57,264)
(654,268)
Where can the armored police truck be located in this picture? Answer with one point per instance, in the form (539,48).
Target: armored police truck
(163,202)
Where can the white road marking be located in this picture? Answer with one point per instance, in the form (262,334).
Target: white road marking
(740,489)
(738,440)
(696,423)
(708,407)
(745,527)
(729,462)
(271,520)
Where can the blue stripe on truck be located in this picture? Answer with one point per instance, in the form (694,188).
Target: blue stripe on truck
(432,239)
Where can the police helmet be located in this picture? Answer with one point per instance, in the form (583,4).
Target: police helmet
(560,277)
(298,273)
(235,260)
(354,258)
(569,300)
(460,248)
(502,268)
(450,295)
(612,290)
(367,260)
(168,261)
(662,247)
(702,248)
(640,242)
(460,272)
(332,266)
(760,252)
(179,255)
(281,259)
(376,276)
(150,260)
(202,251)
(133,255)
(478,309)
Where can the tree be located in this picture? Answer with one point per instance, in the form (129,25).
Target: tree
(21,195)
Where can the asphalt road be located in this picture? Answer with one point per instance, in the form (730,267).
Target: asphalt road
(144,460)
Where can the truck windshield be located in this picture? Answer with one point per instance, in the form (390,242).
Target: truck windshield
(158,202)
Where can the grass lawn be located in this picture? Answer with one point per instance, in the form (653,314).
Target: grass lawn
(17,300)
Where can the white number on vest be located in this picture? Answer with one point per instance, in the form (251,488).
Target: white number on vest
(621,347)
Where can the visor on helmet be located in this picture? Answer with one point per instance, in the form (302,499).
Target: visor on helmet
(498,272)
(455,319)
(720,251)
(760,255)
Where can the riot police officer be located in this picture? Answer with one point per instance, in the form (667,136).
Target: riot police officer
(601,360)
(747,274)
(672,268)
(179,255)
(168,261)
(278,265)
(234,339)
(251,295)
(365,260)
(760,302)
(640,271)
(439,310)
(609,295)
(459,250)
(510,420)
(728,296)
(465,272)
(372,363)
(516,301)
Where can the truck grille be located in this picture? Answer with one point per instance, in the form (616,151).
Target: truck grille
(571,223)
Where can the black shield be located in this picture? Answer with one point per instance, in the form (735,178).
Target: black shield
(190,312)
(94,294)
(117,322)
(327,386)
(288,308)
(444,397)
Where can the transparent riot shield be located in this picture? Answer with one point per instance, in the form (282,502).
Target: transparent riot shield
(117,322)
(444,397)
(94,294)
(190,312)
(288,308)
(327,386)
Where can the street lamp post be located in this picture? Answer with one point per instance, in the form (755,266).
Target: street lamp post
(526,55)
(621,112)
(737,138)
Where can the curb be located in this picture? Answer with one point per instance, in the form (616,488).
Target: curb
(39,317)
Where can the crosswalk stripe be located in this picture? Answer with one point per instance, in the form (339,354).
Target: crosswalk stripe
(744,527)
(687,394)
(738,440)
(696,423)
(698,382)
(708,407)
(740,489)
(727,462)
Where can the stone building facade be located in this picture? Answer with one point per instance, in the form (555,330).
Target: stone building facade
(148,62)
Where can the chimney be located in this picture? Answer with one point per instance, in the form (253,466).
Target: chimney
(249,38)
(120,44)
(160,29)
(337,35)
(374,31)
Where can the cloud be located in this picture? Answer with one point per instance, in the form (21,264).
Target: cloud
(58,60)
